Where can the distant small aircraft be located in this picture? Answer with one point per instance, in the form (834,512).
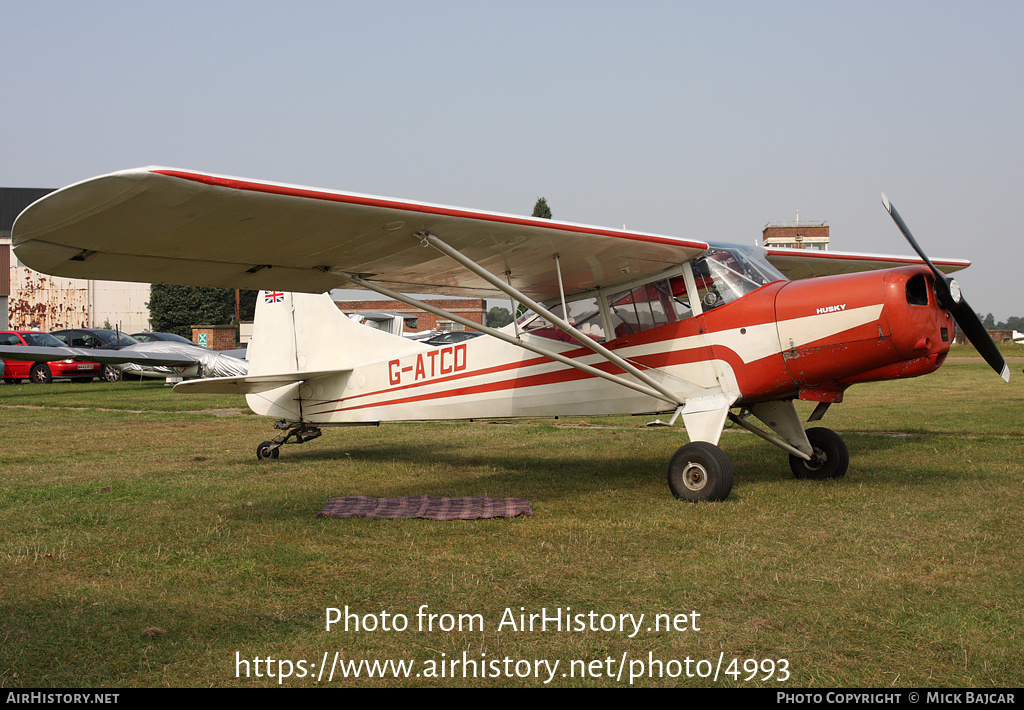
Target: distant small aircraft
(621,322)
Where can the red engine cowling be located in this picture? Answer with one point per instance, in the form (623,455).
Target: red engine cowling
(879,325)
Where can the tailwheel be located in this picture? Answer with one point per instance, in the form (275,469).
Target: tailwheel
(267,450)
(295,433)
(830,460)
(700,471)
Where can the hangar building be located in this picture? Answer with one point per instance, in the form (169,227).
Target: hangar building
(29,299)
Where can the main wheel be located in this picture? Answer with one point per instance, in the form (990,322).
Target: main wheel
(700,471)
(40,374)
(831,457)
(267,450)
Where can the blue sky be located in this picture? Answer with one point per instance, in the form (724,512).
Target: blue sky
(703,120)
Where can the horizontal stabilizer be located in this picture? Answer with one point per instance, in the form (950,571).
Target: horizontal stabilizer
(250,384)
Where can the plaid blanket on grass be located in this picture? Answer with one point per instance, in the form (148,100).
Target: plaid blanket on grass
(430,507)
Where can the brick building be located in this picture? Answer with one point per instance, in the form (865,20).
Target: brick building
(473,309)
(215,337)
(796,235)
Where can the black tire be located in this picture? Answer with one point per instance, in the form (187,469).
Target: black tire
(266,451)
(700,471)
(831,457)
(110,374)
(40,374)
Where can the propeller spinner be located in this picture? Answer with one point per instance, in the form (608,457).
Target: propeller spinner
(948,292)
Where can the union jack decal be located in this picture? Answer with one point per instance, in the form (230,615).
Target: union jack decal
(273,296)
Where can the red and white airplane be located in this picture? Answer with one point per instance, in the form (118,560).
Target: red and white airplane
(620,322)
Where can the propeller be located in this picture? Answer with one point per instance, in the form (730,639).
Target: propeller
(948,292)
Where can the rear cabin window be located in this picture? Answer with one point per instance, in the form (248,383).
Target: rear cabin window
(584,315)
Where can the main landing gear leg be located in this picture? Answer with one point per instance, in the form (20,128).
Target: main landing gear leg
(301,432)
(816,453)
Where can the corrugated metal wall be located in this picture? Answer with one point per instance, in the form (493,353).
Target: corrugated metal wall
(5,269)
(46,302)
(5,282)
(53,302)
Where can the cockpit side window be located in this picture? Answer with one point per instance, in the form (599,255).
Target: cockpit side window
(648,306)
(680,298)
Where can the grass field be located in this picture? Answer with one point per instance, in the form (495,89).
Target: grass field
(1008,349)
(144,545)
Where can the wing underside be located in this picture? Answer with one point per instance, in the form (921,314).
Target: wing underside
(170,226)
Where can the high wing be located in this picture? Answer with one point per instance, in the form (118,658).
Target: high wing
(804,263)
(162,225)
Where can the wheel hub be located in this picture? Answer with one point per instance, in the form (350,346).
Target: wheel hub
(695,476)
(819,459)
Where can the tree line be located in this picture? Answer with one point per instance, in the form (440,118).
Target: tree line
(175,309)
(1011,323)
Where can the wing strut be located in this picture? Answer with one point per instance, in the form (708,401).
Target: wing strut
(506,338)
(562,325)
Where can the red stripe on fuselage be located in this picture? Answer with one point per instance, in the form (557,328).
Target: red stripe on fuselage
(758,310)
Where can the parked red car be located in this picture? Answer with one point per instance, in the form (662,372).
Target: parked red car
(15,370)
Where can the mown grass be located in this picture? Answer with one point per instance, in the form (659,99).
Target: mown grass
(128,395)
(1008,349)
(124,510)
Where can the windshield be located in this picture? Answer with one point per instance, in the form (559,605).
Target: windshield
(724,274)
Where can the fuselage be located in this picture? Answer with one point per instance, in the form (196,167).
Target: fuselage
(807,339)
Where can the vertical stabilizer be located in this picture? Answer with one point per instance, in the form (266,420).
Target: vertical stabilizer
(272,346)
(297,332)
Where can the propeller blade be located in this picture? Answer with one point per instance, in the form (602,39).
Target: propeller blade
(948,292)
(972,327)
(946,288)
